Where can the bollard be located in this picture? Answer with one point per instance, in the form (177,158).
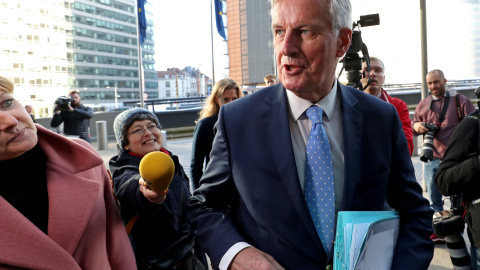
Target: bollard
(102,137)
(164,139)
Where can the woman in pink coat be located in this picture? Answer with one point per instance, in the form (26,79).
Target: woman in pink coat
(57,210)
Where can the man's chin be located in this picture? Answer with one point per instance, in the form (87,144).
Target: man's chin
(374,91)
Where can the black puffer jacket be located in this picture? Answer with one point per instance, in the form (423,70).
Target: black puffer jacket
(74,123)
(459,171)
(162,231)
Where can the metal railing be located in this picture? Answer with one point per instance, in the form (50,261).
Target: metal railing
(172,101)
(418,86)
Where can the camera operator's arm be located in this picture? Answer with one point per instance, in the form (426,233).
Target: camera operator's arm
(460,167)
(85,112)
(57,118)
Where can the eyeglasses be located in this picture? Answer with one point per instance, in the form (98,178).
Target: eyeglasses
(141,131)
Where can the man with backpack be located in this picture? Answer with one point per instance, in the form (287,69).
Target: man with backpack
(443,111)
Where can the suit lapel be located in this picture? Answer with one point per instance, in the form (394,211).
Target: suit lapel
(352,120)
(281,147)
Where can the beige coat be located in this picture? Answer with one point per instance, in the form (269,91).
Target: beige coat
(84,227)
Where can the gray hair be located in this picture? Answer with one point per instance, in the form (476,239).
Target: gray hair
(339,13)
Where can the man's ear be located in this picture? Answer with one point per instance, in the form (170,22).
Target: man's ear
(343,42)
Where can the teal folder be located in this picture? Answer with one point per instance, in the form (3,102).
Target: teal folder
(365,240)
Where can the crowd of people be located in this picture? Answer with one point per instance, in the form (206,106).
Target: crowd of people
(269,171)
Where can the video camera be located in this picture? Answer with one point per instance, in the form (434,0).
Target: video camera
(61,103)
(352,63)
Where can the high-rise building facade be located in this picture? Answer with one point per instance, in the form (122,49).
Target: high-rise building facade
(50,47)
(250,41)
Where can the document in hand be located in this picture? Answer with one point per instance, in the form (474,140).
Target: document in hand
(365,240)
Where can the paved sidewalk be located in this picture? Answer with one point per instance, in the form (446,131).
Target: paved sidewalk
(182,148)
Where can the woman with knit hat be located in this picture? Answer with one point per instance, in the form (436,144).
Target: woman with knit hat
(161,236)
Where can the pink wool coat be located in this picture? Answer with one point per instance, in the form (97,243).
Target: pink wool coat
(84,226)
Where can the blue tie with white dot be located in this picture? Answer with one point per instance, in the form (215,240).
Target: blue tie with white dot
(319,184)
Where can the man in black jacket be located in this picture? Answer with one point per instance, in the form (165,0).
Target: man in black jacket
(459,172)
(76,118)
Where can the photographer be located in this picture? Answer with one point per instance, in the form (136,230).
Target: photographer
(75,116)
(443,115)
(375,88)
(459,172)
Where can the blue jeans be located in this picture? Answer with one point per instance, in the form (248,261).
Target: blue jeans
(434,196)
(475,257)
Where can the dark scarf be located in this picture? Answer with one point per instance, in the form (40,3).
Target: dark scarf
(23,183)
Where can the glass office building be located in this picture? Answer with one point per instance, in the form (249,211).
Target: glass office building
(50,47)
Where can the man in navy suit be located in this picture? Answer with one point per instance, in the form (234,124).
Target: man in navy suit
(250,211)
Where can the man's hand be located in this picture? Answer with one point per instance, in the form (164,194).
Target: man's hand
(252,258)
(420,128)
(70,108)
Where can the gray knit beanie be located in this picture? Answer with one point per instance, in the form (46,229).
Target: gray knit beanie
(125,119)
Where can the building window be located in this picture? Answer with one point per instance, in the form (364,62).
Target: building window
(167,84)
(167,94)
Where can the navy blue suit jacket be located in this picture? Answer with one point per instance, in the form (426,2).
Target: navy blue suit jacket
(251,192)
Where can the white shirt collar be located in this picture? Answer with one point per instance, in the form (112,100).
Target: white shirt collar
(299,105)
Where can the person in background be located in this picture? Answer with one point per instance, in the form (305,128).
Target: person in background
(270,80)
(224,91)
(56,201)
(256,202)
(375,88)
(161,235)
(76,119)
(29,109)
(459,172)
(428,111)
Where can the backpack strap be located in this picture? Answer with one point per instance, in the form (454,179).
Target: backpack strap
(133,219)
(131,222)
(444,109)
(459,109)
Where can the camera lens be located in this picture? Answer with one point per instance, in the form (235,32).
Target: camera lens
(427,150)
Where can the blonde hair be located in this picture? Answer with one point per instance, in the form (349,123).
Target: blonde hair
(270,76)
(71,92)
(211,106)
(6,85)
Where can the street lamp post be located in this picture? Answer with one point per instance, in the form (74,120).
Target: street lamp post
(116,96)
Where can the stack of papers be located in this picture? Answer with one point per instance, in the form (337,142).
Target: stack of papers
(365,240)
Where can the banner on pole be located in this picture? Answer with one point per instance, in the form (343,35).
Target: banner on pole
(142,20)
(219,18)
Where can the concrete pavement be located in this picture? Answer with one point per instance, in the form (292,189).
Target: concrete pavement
(182,148)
